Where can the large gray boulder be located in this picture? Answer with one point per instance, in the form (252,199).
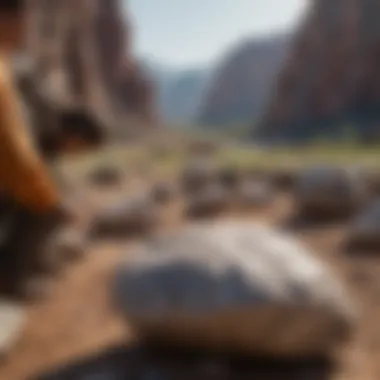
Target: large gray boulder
(330,191)
(234,286)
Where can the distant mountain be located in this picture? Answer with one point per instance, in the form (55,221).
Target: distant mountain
(241,85)
(179,92)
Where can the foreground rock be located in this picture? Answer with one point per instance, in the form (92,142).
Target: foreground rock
(326,191)
(236,287)
(12,320)
(137,215)
(365,229)
(210,201)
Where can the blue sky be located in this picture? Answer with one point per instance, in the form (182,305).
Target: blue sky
(186,33)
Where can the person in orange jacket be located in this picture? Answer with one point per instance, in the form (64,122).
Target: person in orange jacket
(30,201)
(20,163)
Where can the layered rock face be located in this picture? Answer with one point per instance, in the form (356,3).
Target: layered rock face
(225,286)
(81,59)
(241,86)
(331,76)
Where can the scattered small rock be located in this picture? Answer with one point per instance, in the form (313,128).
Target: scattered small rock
(69,244)
(365,229)
(283,179)
(326,191)
(106,176)
(373,178)
(254,193)
(136,215)
(163,192)
(229,177)
(198,174)
(210,201)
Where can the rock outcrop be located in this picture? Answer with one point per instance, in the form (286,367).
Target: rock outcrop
(240,87)
(234,286)
(330,78)
(330,191)
(81,59)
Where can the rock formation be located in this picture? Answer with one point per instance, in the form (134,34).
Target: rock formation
(330,78)
(240,87)
(81,59)
(325,191)
(227,286)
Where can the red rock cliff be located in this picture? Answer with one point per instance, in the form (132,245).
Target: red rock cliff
(331,76)
(240,88)
(82,58)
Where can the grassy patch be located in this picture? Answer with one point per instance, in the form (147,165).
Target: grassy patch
(303,156)
(131,156)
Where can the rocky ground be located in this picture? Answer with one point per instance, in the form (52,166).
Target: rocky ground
(76,329)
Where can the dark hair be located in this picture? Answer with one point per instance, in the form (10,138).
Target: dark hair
(10,5)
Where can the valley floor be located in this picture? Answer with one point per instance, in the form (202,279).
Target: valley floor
(77,320)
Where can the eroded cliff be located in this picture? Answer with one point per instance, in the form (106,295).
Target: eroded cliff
(81,59)
(330,79)
(241,85)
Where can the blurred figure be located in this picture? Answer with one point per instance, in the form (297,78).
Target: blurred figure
(20,163)
(30,201)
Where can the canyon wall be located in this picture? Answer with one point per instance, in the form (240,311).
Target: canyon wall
(81,60)
(241,85)
(330,80)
